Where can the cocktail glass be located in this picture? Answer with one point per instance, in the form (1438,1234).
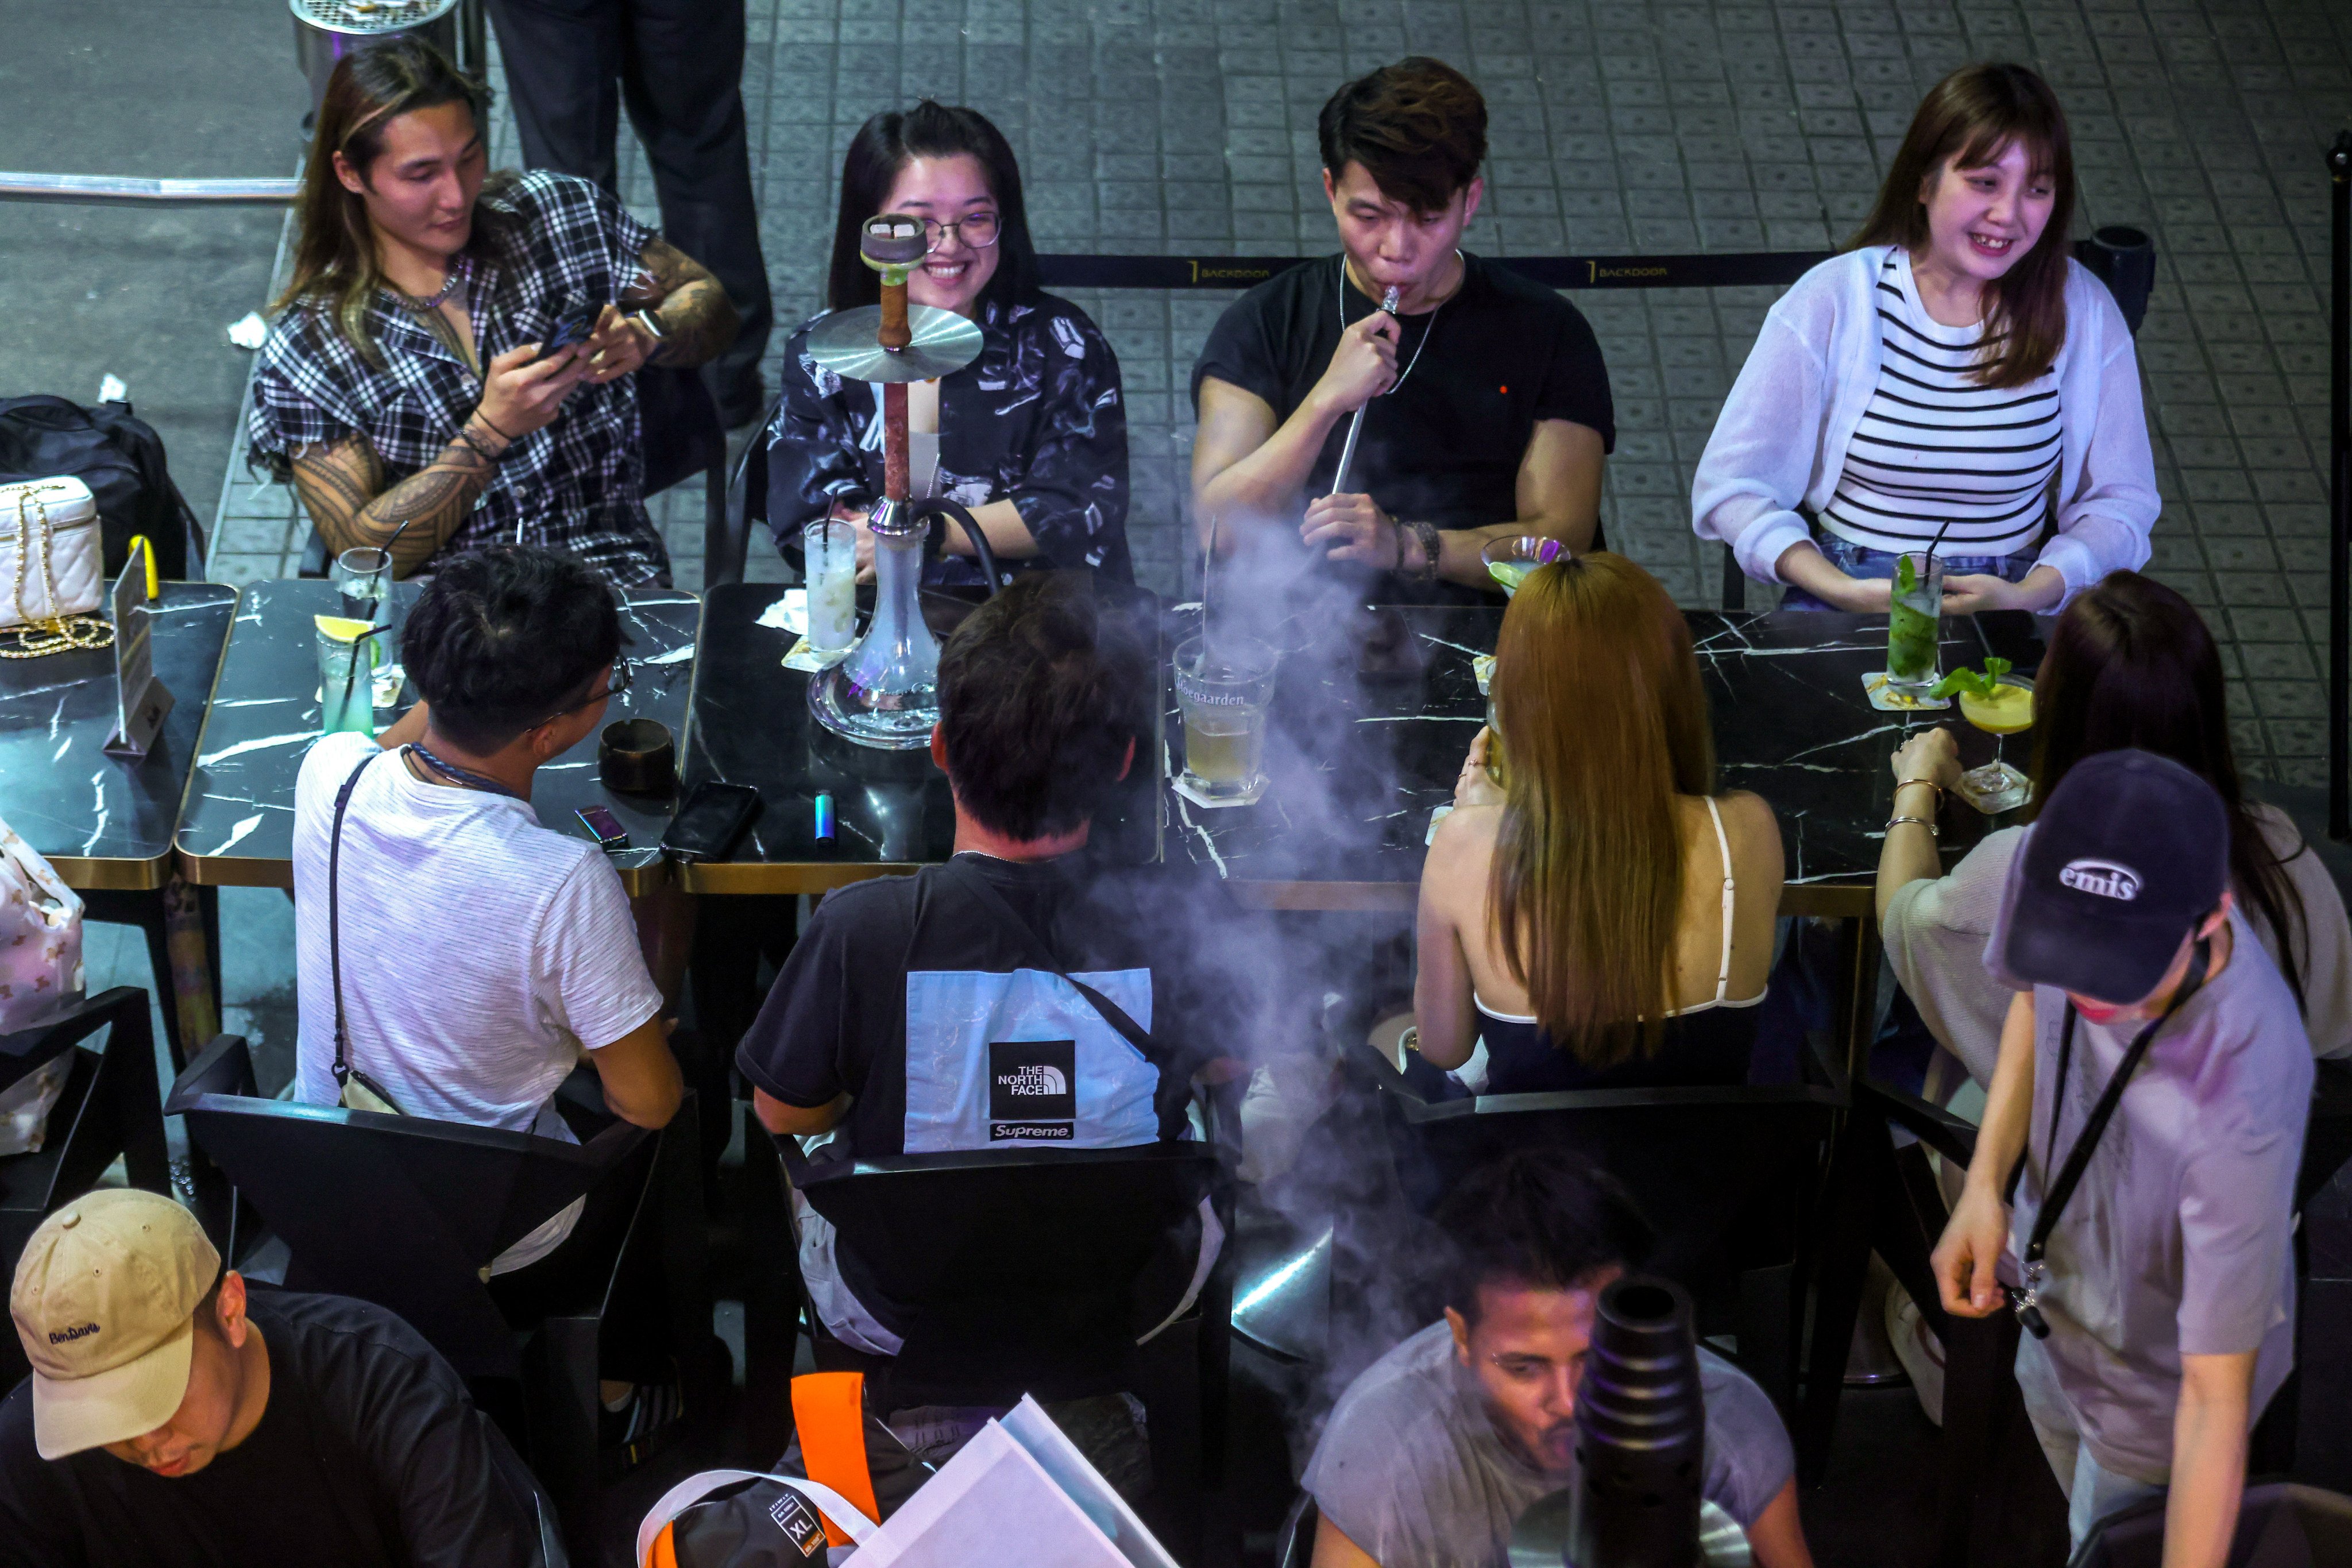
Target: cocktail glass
(1510,559)
(1222,689)
(1915,623)
(2006,709)
(831,555)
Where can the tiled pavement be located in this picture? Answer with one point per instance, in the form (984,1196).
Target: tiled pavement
(1188,125)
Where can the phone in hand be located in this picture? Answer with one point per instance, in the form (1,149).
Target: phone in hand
(571,327)
(604,826)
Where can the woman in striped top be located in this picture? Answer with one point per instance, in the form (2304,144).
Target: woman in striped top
(1954,373)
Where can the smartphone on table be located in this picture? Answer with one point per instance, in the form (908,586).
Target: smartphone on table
(603,827)
(713,817)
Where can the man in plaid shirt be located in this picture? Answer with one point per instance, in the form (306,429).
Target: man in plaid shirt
(405,385)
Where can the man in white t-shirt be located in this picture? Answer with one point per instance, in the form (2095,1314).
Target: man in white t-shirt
(482,953)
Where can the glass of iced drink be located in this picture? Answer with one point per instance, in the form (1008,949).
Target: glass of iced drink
(1223,689)
(831,553)
(1915,623)
(347,659)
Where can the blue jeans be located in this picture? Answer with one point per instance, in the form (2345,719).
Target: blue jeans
(1860,561)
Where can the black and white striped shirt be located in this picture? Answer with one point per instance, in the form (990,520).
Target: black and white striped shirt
(1935,447)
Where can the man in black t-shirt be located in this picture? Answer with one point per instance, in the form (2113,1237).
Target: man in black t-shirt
(1488,409)
(916,1015)
(171,1420)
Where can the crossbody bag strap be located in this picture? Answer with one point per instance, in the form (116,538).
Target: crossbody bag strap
(1175,1087)
(335,921)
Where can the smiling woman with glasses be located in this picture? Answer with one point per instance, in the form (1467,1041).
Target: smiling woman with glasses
(1032,436)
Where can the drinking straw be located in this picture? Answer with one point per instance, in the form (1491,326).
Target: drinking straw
(350,671)
(1937,542)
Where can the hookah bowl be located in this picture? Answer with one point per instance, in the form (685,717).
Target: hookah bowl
(886,693)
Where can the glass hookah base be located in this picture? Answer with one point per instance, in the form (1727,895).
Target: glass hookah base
(1994,788)
(889,720)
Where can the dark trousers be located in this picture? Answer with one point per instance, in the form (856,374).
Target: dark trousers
(677,66)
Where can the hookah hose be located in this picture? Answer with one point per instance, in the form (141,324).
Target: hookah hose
(939,507)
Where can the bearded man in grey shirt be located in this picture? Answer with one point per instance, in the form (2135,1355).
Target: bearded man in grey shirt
(2157,1284)
(1434,1453)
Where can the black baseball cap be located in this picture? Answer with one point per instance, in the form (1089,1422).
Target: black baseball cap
(2127,855)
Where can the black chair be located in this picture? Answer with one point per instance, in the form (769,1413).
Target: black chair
(680,435)
(406,1212)
(1016,1271)
(1729,1175)
(1892,1205)
(1294,1547)
(728,542)
(111,1106)
(2280,1525)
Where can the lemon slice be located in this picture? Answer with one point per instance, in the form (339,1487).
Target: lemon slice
(2003,710)
(342,628)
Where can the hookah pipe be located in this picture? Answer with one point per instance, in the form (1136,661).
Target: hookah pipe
(893,244)
(1389,302)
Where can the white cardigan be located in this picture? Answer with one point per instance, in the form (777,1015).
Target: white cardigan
(1782,435)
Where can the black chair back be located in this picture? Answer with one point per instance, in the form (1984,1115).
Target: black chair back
(2280,1525)
(110,1108)
(746,510)
(1709,1166)
(1015,1270)
(399,1210)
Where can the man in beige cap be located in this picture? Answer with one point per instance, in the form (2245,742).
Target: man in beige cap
(173,1420)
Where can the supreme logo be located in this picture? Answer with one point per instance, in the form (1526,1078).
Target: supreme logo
(2100,879)
(1031,1092)
(67,1336)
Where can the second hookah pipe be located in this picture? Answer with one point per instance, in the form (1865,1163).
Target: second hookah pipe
(894,246)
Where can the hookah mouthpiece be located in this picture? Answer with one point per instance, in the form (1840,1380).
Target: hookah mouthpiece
(1393,297)
(1641,1433)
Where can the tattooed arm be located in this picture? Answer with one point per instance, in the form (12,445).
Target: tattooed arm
(343,486)
(689,310)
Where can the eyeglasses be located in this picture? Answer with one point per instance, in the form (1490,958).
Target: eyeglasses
(621,679)
(978,230)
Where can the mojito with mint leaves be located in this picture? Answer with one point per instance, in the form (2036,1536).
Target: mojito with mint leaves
(1915,623)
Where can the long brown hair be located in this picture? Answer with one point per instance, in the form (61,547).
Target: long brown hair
(1603,723)
(1970,117)
(2131,663)
(334,254)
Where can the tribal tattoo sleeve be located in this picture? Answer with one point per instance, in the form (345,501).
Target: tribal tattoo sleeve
(342,487)
(696,317)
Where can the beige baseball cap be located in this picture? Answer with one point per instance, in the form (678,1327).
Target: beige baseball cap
(105,1302)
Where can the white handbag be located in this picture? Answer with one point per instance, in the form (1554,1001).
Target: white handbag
(51,565)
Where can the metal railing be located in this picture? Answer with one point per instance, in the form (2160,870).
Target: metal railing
(119,191)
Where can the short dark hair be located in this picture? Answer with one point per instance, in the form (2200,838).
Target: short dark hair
(504,637)
(1543,1218)
(1418,127)
(882,147)
(1041,690)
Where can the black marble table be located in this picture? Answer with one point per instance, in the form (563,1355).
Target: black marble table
(236,829)
(105,822)
(1358,757)
(892,810)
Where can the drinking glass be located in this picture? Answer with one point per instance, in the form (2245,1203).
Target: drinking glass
(1222,690)
(1997,786)
(830,550)
(1915,623)
(1510,559)
(362,577)
(346,682)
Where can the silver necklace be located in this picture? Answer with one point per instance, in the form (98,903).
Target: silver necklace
(1341,298)
(459,270)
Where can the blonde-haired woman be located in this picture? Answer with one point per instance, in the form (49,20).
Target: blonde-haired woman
(1604,917)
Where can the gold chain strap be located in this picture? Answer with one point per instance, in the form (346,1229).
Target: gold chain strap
(53,633)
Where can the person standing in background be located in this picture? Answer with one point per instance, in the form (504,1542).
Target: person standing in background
(677,66)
